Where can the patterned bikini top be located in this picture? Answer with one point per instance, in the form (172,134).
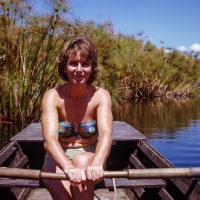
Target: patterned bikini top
(86,129)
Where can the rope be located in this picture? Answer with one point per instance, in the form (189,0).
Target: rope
(97,196)
(115,189)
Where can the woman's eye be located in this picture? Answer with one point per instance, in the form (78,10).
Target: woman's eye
(85,64)
(73,63)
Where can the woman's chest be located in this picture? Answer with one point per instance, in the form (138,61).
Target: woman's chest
(78,111)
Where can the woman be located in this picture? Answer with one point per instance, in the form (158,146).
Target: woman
(77,123)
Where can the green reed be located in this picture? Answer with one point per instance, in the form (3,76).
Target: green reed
(29,45)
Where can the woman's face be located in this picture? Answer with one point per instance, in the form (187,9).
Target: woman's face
(78,69)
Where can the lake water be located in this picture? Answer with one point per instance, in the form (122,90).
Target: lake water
(172,127)
(181,148)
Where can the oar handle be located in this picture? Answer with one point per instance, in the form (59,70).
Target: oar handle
(116,174)
(37,174)
(129,173)
(107,174)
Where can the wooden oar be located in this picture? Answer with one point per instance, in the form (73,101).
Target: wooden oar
(129,173)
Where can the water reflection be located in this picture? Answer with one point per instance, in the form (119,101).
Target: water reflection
(172,127)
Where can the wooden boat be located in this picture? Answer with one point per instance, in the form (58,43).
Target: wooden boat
(130,150)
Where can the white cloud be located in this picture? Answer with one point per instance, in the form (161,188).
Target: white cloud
(182,49)
(195,47)
(167,50)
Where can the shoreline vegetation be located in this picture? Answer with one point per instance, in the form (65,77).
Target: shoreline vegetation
(132,68)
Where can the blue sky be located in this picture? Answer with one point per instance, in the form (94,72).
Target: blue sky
(176,22)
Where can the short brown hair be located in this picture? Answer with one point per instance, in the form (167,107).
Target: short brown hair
(86,48)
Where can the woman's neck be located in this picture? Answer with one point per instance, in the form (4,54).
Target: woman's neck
(76,91)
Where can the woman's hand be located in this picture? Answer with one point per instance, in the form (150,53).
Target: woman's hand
(75,175)
(94,172)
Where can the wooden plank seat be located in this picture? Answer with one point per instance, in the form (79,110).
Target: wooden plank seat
(20,183)
(107,183)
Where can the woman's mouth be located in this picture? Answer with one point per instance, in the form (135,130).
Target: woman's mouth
(79,76)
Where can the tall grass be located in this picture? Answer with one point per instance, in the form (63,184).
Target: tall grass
(28,49)
(141,71)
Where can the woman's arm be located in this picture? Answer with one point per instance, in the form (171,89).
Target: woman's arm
(104,122)
(50,134)
(50,129)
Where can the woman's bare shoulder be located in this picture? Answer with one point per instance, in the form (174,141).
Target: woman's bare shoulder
(51,93)
(51,96)
(102,94)
(102,91)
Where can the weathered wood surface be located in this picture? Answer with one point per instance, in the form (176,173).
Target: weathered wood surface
(107,183)
(177,188)
(103,194)
(13,156)
(19,183)
(133,183)
(39,194)
(121,132)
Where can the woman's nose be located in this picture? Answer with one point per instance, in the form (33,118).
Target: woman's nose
(79,67)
